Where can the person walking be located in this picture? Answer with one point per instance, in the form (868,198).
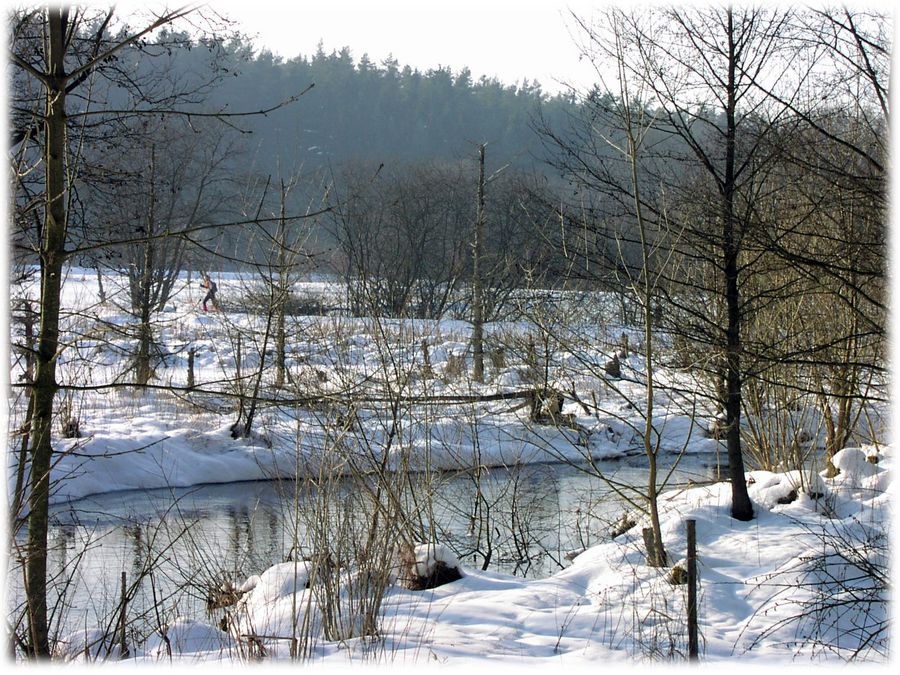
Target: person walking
(210,296)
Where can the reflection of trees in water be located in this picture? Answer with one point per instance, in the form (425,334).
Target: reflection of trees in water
(520,519)
(138,548)
(503,518)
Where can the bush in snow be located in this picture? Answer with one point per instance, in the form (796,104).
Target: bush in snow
(834,598)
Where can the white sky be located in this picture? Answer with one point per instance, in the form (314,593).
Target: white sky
(505,39)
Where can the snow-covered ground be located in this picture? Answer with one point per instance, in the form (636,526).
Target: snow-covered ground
(152,439)
(804,581)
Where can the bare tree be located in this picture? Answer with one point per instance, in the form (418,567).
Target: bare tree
(635,126)
(477,282)
(281,255)
(58,71)
(830,229)
(703,71)
(776,188)
(402,233)
(58,54)
(174,177)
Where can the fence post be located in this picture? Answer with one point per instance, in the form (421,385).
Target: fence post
(190,367)
(693,643)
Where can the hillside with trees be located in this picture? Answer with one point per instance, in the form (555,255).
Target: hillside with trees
(388,112)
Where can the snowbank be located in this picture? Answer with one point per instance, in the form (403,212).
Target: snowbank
(763,598)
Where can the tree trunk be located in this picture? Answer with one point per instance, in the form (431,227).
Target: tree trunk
(100,290)
(477,290)
(741,506)
(145,284)
(52,257)
(282,295)
(657,553)
(142,368)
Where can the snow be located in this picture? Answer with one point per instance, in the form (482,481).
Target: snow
(758,602)
(275,583)
(185,636)
(428,555)
(608,607)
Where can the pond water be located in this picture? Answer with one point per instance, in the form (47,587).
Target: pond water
(174,545)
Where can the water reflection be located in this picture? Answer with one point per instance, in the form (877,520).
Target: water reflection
(175,545)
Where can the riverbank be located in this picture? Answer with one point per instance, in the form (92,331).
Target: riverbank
(387,403)
(804,582)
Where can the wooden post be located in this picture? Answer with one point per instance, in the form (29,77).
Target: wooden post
(426,359)
(693,643)
(190,368)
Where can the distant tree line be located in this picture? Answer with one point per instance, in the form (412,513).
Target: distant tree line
(364,111)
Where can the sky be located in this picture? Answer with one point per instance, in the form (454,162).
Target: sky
(506,39)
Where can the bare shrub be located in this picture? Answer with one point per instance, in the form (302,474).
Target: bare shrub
(841,608)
